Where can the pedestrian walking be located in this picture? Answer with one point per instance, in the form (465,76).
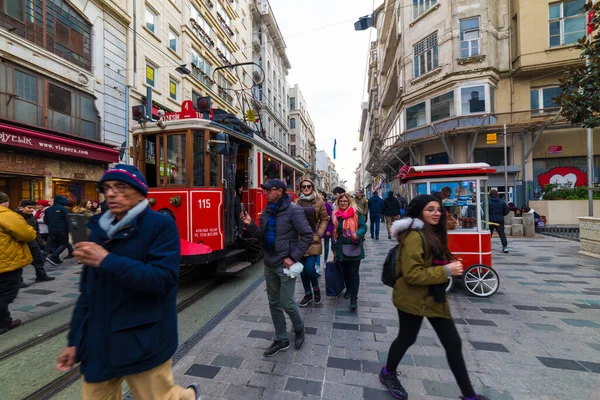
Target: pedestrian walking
(84,208)
(124,325)
(391,210)
(376,211)
(362,206)
(57,219)
(310,199)
(349,230)
(286,238)
(426,264)
(498,209)
(15,233)
(328,233)
(40,210)
(27,210)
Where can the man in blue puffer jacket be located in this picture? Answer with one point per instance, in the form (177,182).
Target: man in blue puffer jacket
(57,219)
(498,210)
(124,325)
(375,209)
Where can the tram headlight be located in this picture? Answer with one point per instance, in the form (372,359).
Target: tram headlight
(152,201)
(175,201)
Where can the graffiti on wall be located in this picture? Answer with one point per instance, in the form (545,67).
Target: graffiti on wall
(564,177)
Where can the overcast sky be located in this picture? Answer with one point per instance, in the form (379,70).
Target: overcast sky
(328,61)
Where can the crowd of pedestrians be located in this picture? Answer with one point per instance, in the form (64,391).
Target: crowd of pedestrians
(136,290)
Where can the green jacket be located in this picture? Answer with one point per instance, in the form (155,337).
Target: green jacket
(411,291)
(360,232)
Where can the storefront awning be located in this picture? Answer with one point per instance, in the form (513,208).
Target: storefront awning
(11,135)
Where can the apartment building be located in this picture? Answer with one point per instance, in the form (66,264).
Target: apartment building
(443,75)
(62,95)
(271,98)
(176,46)
(302,139)
(327,177)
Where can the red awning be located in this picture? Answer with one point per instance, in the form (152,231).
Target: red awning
(11,135)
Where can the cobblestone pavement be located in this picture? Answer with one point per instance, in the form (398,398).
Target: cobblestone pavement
(537,338)
(41,298)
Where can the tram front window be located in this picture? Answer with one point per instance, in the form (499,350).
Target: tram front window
(271,168)
(175,166)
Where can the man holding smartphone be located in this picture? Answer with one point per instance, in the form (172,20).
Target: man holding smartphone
(124,325)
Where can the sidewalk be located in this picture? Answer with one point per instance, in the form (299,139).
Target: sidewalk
(538,337)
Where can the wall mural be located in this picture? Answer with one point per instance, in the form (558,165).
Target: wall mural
(564,177)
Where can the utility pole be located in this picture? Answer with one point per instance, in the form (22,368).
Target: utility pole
(506,198)
(590,142)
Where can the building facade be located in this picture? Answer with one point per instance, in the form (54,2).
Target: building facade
(302,139)
(271,97)
(61,96)
(326,176)
(447,79)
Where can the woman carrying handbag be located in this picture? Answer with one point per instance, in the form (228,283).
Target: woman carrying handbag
(349,229)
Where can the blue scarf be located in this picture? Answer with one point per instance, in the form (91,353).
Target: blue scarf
(271,228)
(108,224)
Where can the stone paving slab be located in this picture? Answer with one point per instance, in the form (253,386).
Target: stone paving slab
(537,338)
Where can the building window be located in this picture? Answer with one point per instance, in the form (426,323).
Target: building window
(173,88)
(542,98)
(151,75)
(173,40)
(469,37)
(201,69)
(415,116)
(292,103)
(150,20)
(420,6)
(292,123)
(566,22)
(26,87)
(442,106)
(15,9)
(493,156)
(472,99)
(426,55)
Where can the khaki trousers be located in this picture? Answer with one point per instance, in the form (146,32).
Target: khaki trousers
(154,384)
(388,222)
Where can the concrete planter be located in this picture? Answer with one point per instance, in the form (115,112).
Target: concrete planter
(563,212)
(589,235)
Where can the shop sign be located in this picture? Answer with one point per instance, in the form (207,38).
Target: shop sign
(28,139)
(563,177)
(22,163)
(555,150)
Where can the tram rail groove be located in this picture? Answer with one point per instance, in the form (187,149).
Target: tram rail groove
(68,378)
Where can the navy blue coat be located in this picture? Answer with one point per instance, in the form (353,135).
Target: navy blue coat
(376,205)
(497,209)
(57,216)
(125,319)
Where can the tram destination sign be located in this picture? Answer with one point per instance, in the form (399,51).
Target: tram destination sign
(187,111)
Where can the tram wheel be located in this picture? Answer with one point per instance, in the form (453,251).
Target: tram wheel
(450,286)
(481,280)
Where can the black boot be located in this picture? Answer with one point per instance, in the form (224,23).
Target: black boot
(299,340)
(353,305)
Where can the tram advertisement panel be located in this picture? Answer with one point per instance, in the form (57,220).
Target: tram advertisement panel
(207,218)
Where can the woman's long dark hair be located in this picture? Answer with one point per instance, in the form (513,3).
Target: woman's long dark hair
(436,236)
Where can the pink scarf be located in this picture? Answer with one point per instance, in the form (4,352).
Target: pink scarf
(350,224)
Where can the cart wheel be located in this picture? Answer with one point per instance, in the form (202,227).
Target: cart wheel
(481,280)
(450,286)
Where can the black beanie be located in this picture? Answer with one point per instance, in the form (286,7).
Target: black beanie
(27,203)
(416,206)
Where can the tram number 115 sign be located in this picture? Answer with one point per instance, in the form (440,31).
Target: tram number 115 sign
(207,219)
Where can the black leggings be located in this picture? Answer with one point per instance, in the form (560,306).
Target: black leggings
(446,330)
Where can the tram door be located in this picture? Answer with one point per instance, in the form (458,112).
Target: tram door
(229,186)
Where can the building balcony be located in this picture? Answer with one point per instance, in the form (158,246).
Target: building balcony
(256,42)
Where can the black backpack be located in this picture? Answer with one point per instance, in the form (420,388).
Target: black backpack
(388,275)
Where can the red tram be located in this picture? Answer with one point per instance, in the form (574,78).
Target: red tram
(194,166)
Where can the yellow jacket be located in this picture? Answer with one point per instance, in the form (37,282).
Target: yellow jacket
(15,233)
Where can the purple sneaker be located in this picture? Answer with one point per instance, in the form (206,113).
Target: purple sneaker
(390,380)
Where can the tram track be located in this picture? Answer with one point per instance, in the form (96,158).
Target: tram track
(68,378)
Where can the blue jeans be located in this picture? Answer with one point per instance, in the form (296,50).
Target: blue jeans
(280,292)
(309,274)
(375,222)
(326,241)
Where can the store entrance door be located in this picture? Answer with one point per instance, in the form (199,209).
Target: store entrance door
(21,188)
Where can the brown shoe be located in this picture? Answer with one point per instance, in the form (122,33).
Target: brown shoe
(13,325)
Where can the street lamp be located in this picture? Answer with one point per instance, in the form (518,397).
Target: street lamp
(183,70)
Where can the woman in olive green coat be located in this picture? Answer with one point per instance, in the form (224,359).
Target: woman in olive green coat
(426,264)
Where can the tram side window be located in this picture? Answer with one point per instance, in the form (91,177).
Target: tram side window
(271,168)
(199,158)
(288,177)
(150,160)
(176,164)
